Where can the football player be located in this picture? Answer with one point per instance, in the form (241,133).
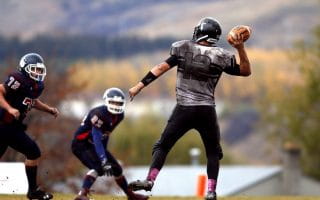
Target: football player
(90,144)
(18,95)
(200,65)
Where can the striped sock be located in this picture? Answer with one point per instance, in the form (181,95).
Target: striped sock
(88,182)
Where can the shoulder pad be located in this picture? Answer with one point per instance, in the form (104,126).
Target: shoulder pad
(18,76)
(179,43)
(96,110)
(175,47)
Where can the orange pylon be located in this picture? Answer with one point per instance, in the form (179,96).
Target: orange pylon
(201,185)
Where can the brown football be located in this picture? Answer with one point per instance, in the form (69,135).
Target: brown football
(243,30)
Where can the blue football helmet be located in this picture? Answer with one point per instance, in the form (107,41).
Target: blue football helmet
(32,65)
(115,100)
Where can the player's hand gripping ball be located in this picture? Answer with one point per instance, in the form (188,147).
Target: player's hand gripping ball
(239,34)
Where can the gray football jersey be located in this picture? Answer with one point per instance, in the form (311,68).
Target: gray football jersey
(198,72)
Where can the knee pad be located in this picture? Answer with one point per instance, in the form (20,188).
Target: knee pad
(33,153)
(93,173)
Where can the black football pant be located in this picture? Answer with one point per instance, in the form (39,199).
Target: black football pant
(13,135)
(86,153)
(184,118)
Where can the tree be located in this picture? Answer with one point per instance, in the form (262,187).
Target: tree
(294,112)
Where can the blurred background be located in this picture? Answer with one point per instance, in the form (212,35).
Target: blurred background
(89,46)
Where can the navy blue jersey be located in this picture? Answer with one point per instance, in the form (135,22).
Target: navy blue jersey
(21,91)
(101,119)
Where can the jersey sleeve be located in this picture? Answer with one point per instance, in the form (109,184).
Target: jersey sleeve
(172,61)
(178,48)
(230,64)
(97,138)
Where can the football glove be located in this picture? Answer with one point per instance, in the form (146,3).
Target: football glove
(107,168)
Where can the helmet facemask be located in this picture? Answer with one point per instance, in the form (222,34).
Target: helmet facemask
(32,65)
(36,71)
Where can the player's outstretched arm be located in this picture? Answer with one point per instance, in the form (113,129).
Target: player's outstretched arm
(4,104)
(152,75)
(39,105)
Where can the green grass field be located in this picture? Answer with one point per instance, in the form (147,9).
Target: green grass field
(104,197)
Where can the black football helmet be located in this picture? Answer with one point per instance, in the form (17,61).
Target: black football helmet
(208,29)
(115,100)
(32,65)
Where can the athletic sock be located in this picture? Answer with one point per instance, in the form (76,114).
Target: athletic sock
(153,173)
(212,185)
(86,185)
(31,172)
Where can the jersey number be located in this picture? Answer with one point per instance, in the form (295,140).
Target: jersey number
(13,84)
(96,121)
(198,67)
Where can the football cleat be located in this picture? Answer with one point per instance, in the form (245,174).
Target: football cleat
(39,194)
(141,185)
(136,196)
(82,197)
(211,196)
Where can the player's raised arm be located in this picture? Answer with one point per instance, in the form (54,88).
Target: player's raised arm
(245,67)
(39,105)
(236,37)
(152,75)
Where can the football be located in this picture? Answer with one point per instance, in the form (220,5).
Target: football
(243,30)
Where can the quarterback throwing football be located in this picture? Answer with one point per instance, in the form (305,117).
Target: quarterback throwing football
(200,64)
